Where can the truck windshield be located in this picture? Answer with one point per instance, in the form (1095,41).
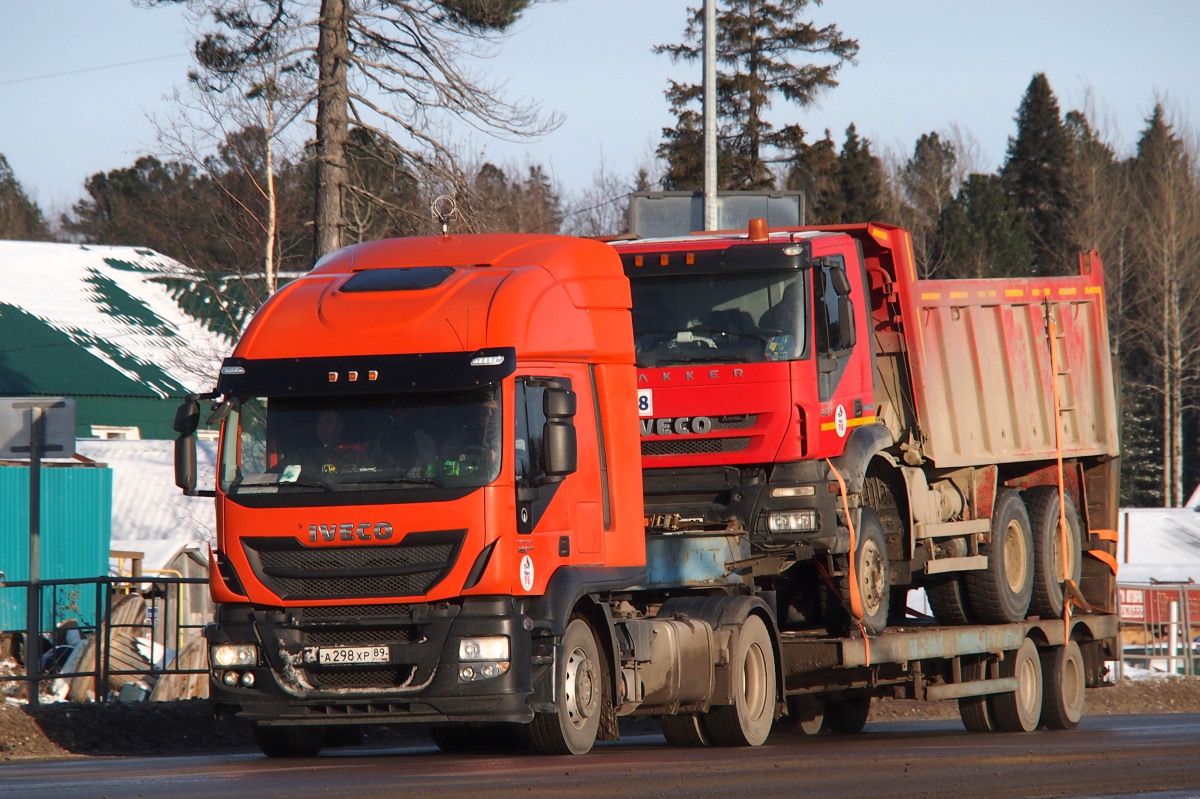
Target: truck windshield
(741,318)
(330,444)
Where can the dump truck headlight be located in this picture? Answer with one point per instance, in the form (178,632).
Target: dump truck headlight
(491,647)
(792,521)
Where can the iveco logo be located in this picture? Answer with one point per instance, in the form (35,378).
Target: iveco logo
(349,531)
(679,426)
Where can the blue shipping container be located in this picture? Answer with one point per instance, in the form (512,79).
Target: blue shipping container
(76,534)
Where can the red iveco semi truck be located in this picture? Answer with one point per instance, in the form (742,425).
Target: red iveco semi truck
(430,510)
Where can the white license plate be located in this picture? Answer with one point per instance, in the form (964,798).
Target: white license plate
(334,655)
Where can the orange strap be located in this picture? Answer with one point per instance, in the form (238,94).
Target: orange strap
(1106,535)
(856,607)
(1104,557)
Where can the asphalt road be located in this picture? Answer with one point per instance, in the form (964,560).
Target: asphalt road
(1107,756)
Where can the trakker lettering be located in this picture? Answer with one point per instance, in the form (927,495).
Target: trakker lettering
(690,374)
(679,426)
(349,531)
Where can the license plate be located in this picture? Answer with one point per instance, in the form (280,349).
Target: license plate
(336,655)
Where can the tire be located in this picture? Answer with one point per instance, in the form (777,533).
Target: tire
(290,741)
(806,716)
(685,730)
(1048,571)
(975,711)
(580,674)
(747,722)
(1064,682)
(847,716)
(872,575)
(1021,710)
(947,597)
(1000,592)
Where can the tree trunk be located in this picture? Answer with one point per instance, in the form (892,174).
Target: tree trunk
(332,124)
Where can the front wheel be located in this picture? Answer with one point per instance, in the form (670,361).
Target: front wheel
(871,578)
(847,716)
(290,741)
(747,722)
(573,729)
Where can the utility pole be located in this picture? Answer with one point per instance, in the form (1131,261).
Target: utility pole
(710,115)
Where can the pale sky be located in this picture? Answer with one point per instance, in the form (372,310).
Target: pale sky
(924,65)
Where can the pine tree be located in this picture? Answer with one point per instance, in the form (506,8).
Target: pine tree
(757,43)
(928,185)
(20,217)
(860,177)
(813,170)
(1037,175)
(981,234)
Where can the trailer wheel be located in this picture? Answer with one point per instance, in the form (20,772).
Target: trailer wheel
(290,741)
(747,722)
(1000,592)
(1064,682)
(1021,710)
(1048,553)
(872,574)
(486,738)
(684,730)
(806,716)
(975,711)
(573,729)
(847,716)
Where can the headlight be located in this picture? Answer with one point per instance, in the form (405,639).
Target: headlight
(492,647)
(792,521)
(230,655)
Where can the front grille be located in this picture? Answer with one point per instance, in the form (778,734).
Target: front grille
(387,677)
(410,568)
(356,636)
(342,612)
(694,446)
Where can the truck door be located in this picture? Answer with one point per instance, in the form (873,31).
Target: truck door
(842,348)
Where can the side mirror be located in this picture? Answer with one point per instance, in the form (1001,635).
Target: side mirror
(185,464)
(558,435)
(187,417)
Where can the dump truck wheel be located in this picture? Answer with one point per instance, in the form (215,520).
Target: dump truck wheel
(1063,681)
(948,600)
(290,741)
(1048,552)
(685,730)
(872,573)
(1021,710)
(1000,592)
(747,722)
(573,729)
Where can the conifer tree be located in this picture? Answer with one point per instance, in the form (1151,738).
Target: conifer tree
(860,177)
(759,44)
(1037,176)
(20,217)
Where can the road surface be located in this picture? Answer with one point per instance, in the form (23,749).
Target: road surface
(1107,756)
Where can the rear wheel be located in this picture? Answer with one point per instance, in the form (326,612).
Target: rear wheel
(806,715)
(290,741)
(975,711)
(573,729)
(684,730)
(948,600)
(1052,563)
(1021,710)
(747,722)
(847,716)
(1001,591)
(1064,682)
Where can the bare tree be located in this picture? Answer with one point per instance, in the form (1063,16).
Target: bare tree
(1165,217)
(395,68)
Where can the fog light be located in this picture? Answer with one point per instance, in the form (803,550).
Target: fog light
(481,671)
(230,678)
(248,679)
(792,521)
(226,655)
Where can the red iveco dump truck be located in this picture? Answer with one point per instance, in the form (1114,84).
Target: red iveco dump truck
(802,390)
(430,510)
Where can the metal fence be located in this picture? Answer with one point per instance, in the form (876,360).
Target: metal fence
(1160,627)
(140,641)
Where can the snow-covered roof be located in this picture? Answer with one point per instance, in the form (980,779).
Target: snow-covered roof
(105,321)
(147,506)
(1159,544)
